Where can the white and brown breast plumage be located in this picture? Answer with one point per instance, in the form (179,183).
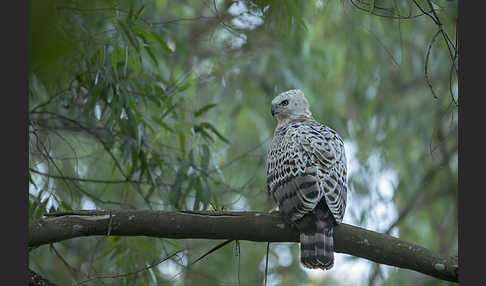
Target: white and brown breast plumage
(306,177)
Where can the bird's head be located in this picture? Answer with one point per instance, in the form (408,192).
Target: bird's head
(290,104)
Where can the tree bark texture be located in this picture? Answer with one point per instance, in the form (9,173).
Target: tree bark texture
(37,280)
(252,226)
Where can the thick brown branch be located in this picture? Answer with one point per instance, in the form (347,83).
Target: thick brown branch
(252,226)
(37,280)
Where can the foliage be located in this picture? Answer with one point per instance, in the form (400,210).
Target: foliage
(166,105)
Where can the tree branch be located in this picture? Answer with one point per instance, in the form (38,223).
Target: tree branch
(252,226)
(37,280)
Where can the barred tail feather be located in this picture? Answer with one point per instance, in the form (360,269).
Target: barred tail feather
(317,249)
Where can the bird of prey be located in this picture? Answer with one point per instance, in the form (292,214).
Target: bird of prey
(306,177)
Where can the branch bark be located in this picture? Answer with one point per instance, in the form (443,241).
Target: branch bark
(252,226)
(37,280)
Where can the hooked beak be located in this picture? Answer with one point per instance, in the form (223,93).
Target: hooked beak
(274,110)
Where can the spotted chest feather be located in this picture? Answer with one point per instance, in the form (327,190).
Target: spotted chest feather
(305,163)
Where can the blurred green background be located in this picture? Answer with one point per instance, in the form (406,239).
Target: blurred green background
(165,105)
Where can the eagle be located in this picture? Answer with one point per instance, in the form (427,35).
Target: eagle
(306,177)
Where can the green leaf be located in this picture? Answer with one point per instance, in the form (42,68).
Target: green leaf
(182,143)
(205,156)
(215,202)
(206,135)
(32,181)
(159,121)
(130,12)
(207,125)
(65,206)
(139,136)
(129,34)
(203,109)
(114,62)
(202,195)
(184,86)
(102,56)
(191,157)
(151,54)
(125,69)
(146,34)
(197,204)
(134,159)
(168,111)
(175,193)
(301,22)
(139,13)
(143,164)
(161,42)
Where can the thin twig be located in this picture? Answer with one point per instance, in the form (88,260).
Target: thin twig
(85,180)
(73,271)
(427,65)
(444,34)
(266,263)
(211,251)
(107,276)
(392,16)
(48,101)
(90,132)
(204,255)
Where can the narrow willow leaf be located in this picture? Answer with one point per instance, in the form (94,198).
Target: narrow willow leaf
(114,62)
(161,42)
(168,111)
(129,34)
(102,56)
(146,34)
(125,69)
(135,160)
(205,156)
(197,198)
(215,131)
(185,86)
(301,22)
(130,11)
(215,202)
(161,123)
(205,195)
(143,164)
(32,181)
(182,143)
(139,13)
(139,136)
(203,109)
(176,192)
(196,205)
(203,132)
(191,156)
(151,54)
(66,206)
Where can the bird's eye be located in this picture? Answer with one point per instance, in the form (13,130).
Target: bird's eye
(284,103)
